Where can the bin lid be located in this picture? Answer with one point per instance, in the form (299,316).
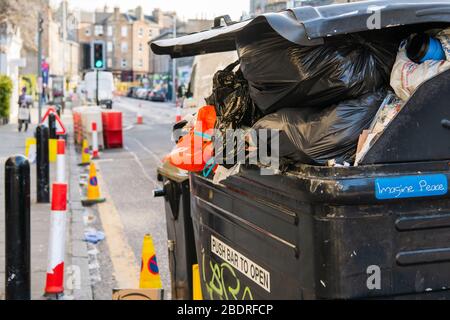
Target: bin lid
(308,26)
(173,173)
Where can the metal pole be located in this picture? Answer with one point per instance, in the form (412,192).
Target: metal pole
(174,63)
(64,37)
(17,229)
(52,126)
(42,165)
(39,65)
(96,90)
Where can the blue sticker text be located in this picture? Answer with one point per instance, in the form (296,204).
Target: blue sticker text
(411,187)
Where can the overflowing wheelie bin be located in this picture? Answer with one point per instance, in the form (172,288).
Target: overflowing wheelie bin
(364,211)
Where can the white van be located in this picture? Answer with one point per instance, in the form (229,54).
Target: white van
(203,70)
(105,87)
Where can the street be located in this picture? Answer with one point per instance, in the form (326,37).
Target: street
(196,151)
(129,177)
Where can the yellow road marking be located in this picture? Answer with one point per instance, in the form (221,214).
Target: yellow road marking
(126,267)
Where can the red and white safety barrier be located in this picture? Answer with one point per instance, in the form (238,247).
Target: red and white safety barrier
(61,161)
(94,141)
(57,240)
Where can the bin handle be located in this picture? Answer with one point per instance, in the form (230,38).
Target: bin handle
(445,123)
(218,21)
(159,193)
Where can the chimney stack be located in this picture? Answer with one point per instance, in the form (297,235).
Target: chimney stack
(139,14)
(157,15)
(116,13)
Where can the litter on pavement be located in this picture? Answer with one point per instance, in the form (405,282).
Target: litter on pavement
(94,236)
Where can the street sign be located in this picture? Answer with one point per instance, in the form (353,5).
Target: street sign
(60,129)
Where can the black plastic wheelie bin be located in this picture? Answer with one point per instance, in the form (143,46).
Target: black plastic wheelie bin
(181,242)
(380,230)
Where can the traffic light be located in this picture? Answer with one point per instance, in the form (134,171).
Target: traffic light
(41,24)
(98,55)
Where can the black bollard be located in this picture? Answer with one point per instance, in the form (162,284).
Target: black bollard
(42,165)
(17,229)
(52,126)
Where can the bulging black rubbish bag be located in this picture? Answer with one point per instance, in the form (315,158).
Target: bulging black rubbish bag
(282,74)
(231,99)
(313,136)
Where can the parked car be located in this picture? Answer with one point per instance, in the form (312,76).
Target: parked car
(135,92)
(157,96)
(131,92)
(142,93)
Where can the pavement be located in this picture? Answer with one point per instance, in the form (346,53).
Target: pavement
(127,178)
(77,280)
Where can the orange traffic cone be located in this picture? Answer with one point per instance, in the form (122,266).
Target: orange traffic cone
(93,189)
(85,154)
(140,118)
(150,278)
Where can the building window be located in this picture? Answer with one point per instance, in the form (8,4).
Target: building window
(99,30)
(141,32)
(124,47)
(110,31)
(124,63)
(141,63)
(150,33)
(87,32)
(141,47)
(124,31)
(109,62)
(109,45)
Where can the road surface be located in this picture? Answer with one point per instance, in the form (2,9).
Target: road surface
(129,176)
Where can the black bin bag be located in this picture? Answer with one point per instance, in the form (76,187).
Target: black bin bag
(282,74)
(312,136)
(231,99)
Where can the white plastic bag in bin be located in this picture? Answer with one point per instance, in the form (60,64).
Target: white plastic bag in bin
(444,37)
(407,76)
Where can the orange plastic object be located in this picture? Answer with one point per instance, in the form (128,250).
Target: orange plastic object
(194,150)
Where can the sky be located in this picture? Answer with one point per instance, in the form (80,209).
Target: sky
(185,8)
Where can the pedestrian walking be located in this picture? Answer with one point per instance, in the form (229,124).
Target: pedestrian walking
(24,111)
